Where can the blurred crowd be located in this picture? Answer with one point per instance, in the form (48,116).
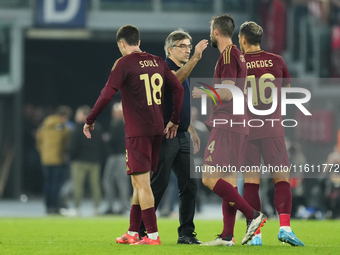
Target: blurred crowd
(64,166)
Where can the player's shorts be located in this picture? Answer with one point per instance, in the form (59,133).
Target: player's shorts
(142,153)
(272,149)
(225,148)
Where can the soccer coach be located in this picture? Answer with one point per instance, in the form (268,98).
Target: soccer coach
(175,153)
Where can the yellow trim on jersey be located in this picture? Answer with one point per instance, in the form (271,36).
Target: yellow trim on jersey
(114,65)
(226,54)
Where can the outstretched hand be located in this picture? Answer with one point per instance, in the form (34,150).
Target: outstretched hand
(86,130)
(170,130)
(197,93)
(199,48)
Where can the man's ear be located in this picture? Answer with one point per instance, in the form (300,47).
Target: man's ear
(122,43)
(170,49)
(243,40)
(216,32)
(138,43)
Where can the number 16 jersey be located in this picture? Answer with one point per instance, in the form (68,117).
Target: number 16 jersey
(264,71)
(141,78)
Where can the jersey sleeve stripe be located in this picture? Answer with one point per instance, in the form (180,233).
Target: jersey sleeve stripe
(230,47)
(226,55)
(224,58)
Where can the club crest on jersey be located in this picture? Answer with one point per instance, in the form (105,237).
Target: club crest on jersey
(242,58)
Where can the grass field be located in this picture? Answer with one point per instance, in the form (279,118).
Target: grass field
(57,235)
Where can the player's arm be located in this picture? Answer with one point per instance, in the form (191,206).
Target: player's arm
(177,94)
(227,65)
(194,138)
(224,93)
(184,71)
(115,81)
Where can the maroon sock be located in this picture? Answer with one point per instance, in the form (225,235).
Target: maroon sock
(149,219)
(283,198)
(228,193)
(135,218)
(251,195)
(229,217)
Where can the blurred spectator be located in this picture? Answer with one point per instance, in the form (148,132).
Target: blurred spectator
(32,176)
(332,185)
(86,156)
(335,43)
(332,193)
(273,20)
(52,139)
(296,158)
(335,12)
(115,180)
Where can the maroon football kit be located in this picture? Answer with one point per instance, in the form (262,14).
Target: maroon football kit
(266,70)
(141,78)
(226,144)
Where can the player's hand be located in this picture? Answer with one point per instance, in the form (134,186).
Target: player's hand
(199,48)
(196,142)
(197,93)
(170,130)
(86,130)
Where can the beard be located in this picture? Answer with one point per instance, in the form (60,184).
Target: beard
(214,42)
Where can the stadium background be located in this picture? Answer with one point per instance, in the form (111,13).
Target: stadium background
(46,64)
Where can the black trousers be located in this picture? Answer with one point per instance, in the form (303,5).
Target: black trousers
(175,154)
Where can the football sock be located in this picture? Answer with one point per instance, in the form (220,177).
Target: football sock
(251,195)
(135,218)
(153,236)
(132,233)
(229,217)
(149,219)
(284,220)
(288,229)
(228,193)
(283,202)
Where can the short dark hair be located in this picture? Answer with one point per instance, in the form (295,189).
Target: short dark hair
(225,24)
(129,33)
(252,32)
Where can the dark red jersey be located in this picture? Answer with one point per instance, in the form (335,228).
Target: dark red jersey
(266,70)
(230,66)
(141,77)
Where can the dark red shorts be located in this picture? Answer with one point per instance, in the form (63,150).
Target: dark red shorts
(273,151)
(225,148)
(142,153)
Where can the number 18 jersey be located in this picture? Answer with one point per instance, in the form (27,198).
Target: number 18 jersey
(264,71)
(141,78)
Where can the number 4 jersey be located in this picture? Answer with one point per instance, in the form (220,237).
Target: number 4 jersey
(141,78)
(264,71)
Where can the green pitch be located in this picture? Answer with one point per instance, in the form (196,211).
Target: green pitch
(57,235)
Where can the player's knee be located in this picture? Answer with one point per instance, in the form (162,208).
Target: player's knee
(276,180)
(252,180)
(208,182)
